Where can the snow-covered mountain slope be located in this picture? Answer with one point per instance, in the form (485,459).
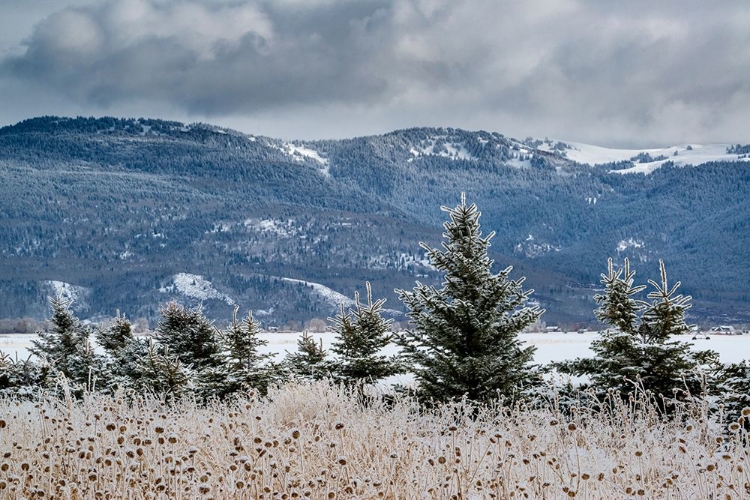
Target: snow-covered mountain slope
(646,161)
(332,297)
(194,286)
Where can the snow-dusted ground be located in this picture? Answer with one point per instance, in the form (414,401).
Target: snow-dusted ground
(550,346)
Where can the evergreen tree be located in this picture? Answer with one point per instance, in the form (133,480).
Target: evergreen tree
(162,373)
(240,365)
(639,350)
(190,336)
(465,337)
(617,306)
(66,346)
(732,385)
(123,352)
(310,361)
(20,377)
(361,335)
(116,336)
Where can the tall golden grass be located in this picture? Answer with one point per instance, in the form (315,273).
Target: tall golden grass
(319,441)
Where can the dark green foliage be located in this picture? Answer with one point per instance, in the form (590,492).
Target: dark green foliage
(123,353)
(21,377)
(161,372)
(732,384)
(465,337)
(66,347)
(240,365)
(361,335)
(617,307)
(116,336)
(637,352)
(309,361)
(189,336)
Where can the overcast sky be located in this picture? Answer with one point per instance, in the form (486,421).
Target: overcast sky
(635,73)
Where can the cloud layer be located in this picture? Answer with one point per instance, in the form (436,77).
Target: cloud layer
(625,72)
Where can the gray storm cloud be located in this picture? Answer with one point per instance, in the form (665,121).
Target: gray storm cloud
(599,71)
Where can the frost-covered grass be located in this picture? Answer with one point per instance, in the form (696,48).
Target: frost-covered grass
(317,441)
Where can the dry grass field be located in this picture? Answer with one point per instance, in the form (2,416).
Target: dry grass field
(317,441)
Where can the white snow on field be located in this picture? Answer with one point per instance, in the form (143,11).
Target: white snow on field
(332,297)
(195,286)
(66,291)
(550,346)
(687,154)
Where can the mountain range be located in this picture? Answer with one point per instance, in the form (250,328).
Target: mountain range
(131,213)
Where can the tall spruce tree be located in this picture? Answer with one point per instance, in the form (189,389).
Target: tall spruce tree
(309,361)
(639,350)
(465,336)
(361,335)
(189,336)
(161,372)
(123,353)
(617,305)
(66,346)
(116,336)
(240,364)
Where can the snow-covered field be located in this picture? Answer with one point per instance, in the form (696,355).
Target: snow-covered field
(550,346)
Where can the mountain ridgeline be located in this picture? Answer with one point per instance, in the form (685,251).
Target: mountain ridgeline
(129,214)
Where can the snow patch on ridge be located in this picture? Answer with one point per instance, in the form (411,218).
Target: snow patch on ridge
(400,260)
(195,286)
(634,246)
(300,153)
(681,155)
(532,249)
(629,243)
(285,228)
(331,297)
(439,147)
(74,293)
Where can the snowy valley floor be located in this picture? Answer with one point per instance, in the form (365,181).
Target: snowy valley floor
(550,346)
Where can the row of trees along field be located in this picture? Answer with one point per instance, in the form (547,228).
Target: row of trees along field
(464,343)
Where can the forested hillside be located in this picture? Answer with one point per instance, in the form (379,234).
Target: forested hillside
(129,214)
